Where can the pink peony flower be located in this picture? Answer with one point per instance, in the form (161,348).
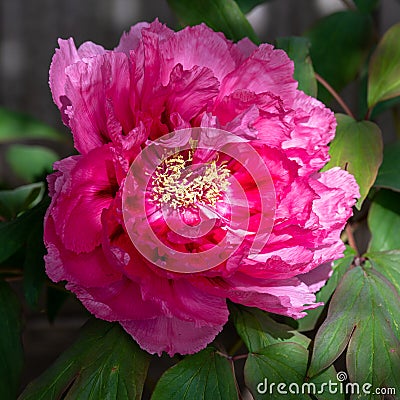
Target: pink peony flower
(110,230)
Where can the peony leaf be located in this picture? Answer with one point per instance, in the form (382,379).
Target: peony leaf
(384,221)
(340,43)
(388,264)
(205,375)
(30,162)
(220,15)
(366,5)
(320,381)
(388,174)
(247,5)
(284,363)
(16,127)
(297,49)
(384,68)
(14,234)
(12,202)
(11,352)
(340,267)
(104,363)
(357,148)
(258,330)
(365,314)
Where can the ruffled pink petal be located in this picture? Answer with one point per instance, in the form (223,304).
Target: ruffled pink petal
(63,57)
(171,335)
(90,49)
(90,190)
(266,70)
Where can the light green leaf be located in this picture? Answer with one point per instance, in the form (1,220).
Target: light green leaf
(11,352)
(206,375)
(16,127)
(340,43)
(104,363)
(384,68)
(284,363)
(365,314)
(384,221)
(389,172)
(340,267)
(221,15)
(258,330)
(297,49)
(357,148)
(30,162)
(12,202)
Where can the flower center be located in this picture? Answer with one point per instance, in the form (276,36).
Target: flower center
(180,184)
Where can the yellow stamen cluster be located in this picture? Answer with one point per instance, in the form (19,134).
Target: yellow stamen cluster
(180,184)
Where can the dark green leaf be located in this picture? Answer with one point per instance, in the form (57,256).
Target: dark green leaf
(284,363)
(384,68)
(384,221)
(366,5)
(30,162)
(104,363)
(34,272)
(205,375)
(388,264)
(55,298)
(389,172)
(258,330)
(15,126)
(339,45)
(12,202)
(247,5)
(13,234)
(297,49)
(364,313)
(320,381)
(339,269)
(221,15)
(11,352)
(357,148)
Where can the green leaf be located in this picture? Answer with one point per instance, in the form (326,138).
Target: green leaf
(357,148)
(104,363)
(12,202)
(34,271)
(11,352)
(221,15)
(247,5)
(365,314)
(384,221)
(321,380)
(340,267)
(388,174)
(16,127)
(384,68)
(30,162)
(205,375)
(366,5)
(340,43)
(388,264)
(14,234)
(284,363)
(258,330)
(297,49)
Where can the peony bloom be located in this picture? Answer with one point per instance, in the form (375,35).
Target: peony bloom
(114,224)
